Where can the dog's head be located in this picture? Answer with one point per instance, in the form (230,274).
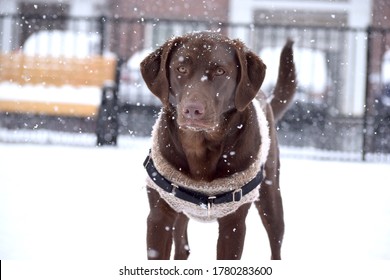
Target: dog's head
(204,76)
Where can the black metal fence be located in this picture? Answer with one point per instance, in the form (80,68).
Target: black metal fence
(342,106)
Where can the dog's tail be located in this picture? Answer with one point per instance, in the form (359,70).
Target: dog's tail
(286,84)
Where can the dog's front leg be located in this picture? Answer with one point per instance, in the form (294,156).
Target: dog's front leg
(270,208)
(232,230)
(180,237)
(160,224)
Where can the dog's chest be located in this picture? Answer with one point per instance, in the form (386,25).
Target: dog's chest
(205,159)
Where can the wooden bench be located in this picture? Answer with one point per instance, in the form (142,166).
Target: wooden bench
(60,86)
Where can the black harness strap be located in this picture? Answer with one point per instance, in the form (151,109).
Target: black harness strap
(196,197)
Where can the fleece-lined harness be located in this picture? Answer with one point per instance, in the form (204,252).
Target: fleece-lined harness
(207,201)
(198,198)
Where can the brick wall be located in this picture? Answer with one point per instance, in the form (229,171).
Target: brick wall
(215,10)
(129,38)
(380,42)
(381,13)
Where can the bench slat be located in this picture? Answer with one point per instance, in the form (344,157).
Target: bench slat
(57,71)
(49,108)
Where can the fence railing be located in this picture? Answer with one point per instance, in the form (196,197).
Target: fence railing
(342,103)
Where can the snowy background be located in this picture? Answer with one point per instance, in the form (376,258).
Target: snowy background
(61,202)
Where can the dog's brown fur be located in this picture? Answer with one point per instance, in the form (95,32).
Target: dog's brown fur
(206,83)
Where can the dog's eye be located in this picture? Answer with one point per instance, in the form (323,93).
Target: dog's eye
(219,72)
(182,69)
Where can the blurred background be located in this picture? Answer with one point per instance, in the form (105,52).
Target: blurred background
(69,70)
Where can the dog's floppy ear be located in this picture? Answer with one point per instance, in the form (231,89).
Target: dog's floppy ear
(252,74)
(155,72)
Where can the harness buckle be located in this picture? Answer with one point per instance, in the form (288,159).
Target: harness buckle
(175,187)
(237,195)
(210,202)
(147,160)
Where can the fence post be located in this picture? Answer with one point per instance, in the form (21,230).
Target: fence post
(102,25)
(107,128)
(365,148)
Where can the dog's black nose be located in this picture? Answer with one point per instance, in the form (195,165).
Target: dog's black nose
(193,110)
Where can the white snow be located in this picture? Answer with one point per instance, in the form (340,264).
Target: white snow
(85,95)
(60,202)
(58,43)
(134,62)
(386,67)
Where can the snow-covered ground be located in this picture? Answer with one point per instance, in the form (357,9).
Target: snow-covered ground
(59,202)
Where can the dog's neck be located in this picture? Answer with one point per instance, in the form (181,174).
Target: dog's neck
(202,153)
(208,155)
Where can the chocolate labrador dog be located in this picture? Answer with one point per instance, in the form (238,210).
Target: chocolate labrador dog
(214,150)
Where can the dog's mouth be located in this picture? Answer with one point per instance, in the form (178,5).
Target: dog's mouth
(194,116)
(197,126)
